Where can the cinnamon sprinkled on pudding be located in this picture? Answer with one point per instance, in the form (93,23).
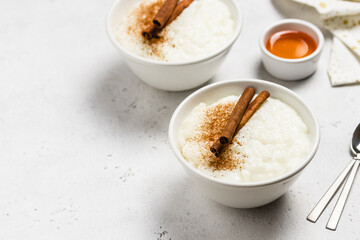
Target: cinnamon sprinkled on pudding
(143,17)
(215,119)
(274,140)
(208,130)
(195,29)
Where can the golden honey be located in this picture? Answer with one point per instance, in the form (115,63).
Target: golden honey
(291,44)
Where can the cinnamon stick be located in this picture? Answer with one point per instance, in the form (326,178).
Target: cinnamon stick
(236,115)
(252,108)
(179,9)
(233,121)
(159,20)
(217,148)
(150,32)
(164,13)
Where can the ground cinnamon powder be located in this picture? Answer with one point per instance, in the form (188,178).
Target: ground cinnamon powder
(144,15)
(213,122)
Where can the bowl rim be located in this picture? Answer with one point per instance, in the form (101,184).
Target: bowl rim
(299,22)
(143,60)
(281,178)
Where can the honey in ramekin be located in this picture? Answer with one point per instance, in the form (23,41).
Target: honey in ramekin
(291,44)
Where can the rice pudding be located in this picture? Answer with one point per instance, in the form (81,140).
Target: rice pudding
(273,142)
(200,30)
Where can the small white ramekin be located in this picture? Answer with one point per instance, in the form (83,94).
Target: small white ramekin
(166,75)
(242,195)
(291,69)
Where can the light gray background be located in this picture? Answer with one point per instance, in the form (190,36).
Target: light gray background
(84,152)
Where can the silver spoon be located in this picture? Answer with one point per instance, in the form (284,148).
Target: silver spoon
(324,201)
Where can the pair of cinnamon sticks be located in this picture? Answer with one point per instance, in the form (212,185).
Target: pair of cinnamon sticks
(167,13)
(240,115)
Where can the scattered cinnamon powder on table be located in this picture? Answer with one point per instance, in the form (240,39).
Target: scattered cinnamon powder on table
(215,119)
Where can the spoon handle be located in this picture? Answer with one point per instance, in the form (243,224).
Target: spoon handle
(324,201)
(336,213)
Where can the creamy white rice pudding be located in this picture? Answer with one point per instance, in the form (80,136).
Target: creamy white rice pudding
(201,29)
(272,143)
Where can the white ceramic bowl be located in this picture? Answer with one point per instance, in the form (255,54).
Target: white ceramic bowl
(291,69)
(242,195)
(171,76)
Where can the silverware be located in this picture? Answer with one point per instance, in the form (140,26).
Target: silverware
(324,201)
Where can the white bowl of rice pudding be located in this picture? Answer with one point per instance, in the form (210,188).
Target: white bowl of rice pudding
(190,49)
(264,158)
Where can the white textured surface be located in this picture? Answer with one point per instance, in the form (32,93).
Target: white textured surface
(83,142)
